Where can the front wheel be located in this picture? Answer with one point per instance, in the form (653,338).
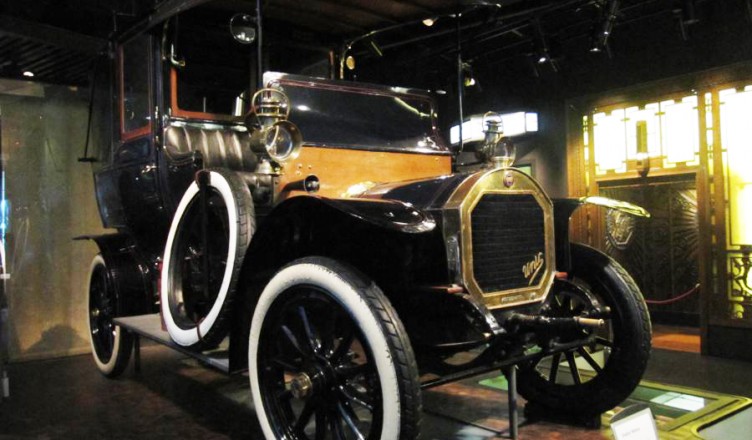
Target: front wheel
(592,379)
(330,359)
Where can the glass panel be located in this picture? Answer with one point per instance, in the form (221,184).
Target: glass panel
(363,119)
(49,200)
(586,149)
(736,138)
(680,131)
(668,405)
(217,68)
(649,116)
(681,401)
(667,131)
(610,141)
(585,132)
(135,105)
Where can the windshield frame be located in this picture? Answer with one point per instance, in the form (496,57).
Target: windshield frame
(280,80)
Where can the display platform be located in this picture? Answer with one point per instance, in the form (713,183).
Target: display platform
(481,403)
(680,413)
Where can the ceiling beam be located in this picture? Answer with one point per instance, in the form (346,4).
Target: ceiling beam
(311,20)
(422,7)
(334,12)
(165,10)
(51,35)
(367,11)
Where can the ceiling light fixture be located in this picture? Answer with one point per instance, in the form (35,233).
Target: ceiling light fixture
(468,78)
(542,50)
(603,28)
(28,74)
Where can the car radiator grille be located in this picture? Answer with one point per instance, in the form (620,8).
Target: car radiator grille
(507,233)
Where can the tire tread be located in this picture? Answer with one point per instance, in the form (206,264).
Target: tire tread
(246,227)
(246,223)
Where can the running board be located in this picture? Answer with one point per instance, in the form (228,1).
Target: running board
(150,327)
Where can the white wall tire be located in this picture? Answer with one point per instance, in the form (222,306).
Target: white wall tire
(294,303)
(196,314)
(110,345)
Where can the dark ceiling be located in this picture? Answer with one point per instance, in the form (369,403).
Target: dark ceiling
(57,40)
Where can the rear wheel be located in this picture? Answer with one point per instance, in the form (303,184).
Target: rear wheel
(110,345)
(204,252)
(329,358)
(592,379)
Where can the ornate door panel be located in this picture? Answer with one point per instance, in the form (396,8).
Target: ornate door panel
(661,253)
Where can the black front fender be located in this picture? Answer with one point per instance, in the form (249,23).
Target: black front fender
(303,224)
(391,242)
(563,210)
(388,214)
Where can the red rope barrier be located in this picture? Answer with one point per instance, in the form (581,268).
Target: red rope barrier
(675,299)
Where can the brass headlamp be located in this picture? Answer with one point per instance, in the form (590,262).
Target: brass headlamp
(496,150)
(277,137)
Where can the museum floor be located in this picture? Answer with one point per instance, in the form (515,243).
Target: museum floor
(174,397)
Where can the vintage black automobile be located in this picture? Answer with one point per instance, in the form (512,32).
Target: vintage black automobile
(319,224)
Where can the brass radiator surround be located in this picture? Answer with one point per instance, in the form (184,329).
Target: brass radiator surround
(506,181)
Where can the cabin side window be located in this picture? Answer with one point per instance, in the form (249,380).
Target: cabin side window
(134,92)
(210,72)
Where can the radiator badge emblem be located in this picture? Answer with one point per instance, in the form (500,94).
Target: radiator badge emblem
(531,268)
(508,179)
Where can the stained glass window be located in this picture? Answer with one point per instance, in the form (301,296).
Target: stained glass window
(736,139)
(667,132)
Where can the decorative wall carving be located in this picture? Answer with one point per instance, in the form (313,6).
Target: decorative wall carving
(740,285)
(620,228)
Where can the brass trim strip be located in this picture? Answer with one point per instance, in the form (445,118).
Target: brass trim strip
(619,205)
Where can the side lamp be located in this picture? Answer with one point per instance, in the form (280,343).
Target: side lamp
(497,150)
(276,137)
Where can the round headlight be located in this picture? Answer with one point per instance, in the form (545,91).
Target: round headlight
(282,141)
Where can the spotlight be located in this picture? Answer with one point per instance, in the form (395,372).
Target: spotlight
(429,21)
(28,74)
(602,30)
(542,50)
(468,79)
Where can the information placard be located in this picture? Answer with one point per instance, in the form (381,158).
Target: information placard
(638,425)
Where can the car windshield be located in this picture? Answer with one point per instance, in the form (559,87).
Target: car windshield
(342,114)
